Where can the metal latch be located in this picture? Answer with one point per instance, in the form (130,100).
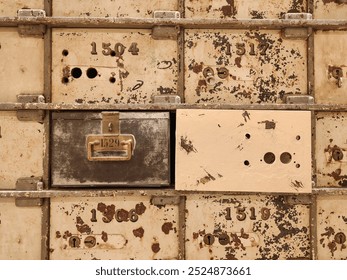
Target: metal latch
(29,184)
(30,115)
(297,32)
(298,99)
(164,32)
(32,29)
(167,99)
(111,145)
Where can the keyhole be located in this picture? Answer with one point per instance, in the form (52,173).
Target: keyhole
(74,242)
(224,239)
(337,154)
(337,73)
(209,239)
(340,238)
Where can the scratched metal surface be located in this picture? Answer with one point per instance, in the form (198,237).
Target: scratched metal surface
(19,73)
(261,66)
(20,231)
(112,8)
(331,149)
(330,9)
(329,55)
(10,7)
(255,9)
(331,227)
(21,149)
(246,227)
(124,227)
(132,70)
(250,151)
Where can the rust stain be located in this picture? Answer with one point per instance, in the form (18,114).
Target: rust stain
(84,229)
(329,231)
(337,177)
(339,2)
(246,116)
(123,215)
(229,10)
(57,234)
(230,256)
(104,236)
(140,208)
(195,235)
(79,221)
(238,62)
(187,145)
(268,124)
(197,68)
(139,232)
(67,234)
(108,211)
(166,227)
(155,247)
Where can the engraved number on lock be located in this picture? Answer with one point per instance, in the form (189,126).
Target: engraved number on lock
(114,50)
(242,213)
(120,215)
(110,142)
(247,49)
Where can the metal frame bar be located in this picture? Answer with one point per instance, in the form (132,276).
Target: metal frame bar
(113,22)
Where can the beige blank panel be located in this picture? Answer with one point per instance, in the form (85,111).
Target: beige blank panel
(10,7)
(240,9)
(251,151)
(20,231)
(330,9)
(243,67)
(127,227)
(331,227)
(246,227)
(329,55)
(21,65)
(111,8)
(331,149)
(111,66)
(21,149)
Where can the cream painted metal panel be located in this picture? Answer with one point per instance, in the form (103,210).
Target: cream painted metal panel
(124,227)
(111,66)
(330,9)
(250,151)
(10,7)
(330,63)
(21,65)
(255,9)
(246,227)
(20,231)
(243,67)
(331,149)
(331,227)
(111,8)
(21,149)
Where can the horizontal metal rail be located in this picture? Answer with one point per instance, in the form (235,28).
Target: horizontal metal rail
(167,107)
(51,193)
(113,22)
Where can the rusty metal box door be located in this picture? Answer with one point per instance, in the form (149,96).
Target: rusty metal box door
(149,165)
(247,227)
(121,227)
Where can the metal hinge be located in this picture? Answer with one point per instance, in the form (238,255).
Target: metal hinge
(29,184)
(298,99)
(166,99)
(161,201)
(166,32)
(30,115)
(297,32)
(32,30)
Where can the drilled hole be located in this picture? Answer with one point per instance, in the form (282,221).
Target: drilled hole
(246,162)
(65,80)
(297,165)
(269,158)
(65,52)
(92,73)
(76,73)
(286,157)
(113,53)
(247,136)
(298,137)
(112,80)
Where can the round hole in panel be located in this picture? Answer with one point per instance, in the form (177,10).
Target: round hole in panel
(112,80)
(286,157)
(269,158)
(65,80)
(76,72)
(246,162)
(65,52)
(92,73)
(248,136)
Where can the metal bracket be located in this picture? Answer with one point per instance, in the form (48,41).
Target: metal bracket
(30,115)
(297,33)
(161,201)
(298,99)
(29,184)
(166,32)
(34,30)
(166,99)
